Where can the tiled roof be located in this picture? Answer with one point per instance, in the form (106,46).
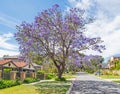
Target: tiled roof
(4,61)
(20,64)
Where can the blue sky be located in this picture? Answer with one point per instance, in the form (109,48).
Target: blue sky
(13,12)
(106,25)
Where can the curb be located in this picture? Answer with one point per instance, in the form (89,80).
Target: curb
(68,92)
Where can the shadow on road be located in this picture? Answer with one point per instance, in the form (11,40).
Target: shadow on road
(94,87)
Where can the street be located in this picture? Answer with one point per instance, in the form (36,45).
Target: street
(89,84)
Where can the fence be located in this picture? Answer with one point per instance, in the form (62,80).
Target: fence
(41,76)
(27,74)
(22,75)
(6,75)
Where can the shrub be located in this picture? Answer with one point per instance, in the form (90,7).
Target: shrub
(18,81)
(89,71)
(7,70)
(8,83)
(40,72)
(50,76)
(60,79)
(30,80)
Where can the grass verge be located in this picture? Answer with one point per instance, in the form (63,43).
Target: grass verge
(117,81)
(69,76)
(21,89)
(110,76)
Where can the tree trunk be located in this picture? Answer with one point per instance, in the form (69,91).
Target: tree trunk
(60,68)
(59,74)
(60,71)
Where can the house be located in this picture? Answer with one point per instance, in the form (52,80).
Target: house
(111,62)
(18,69)
(37,67)
(114,58)
(16,65)
(21,62)
(7,64)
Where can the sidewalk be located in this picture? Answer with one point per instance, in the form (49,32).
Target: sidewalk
(72,79)
(40,81)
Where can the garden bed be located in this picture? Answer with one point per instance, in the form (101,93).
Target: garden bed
(53,87)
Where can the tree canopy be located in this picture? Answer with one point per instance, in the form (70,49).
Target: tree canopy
(57,35)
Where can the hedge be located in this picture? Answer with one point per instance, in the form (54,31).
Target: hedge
(8,83)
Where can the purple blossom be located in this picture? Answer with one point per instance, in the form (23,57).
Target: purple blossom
(58,36)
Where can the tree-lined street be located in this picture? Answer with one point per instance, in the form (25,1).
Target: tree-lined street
(59,47)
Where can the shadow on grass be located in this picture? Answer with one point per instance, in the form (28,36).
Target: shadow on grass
(94,87)
(53,87)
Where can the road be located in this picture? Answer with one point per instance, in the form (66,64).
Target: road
(90,84)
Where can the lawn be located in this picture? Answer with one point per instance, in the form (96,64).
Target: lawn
(69,75)
(117,81)
(53,87)
(21,89)
(110,76)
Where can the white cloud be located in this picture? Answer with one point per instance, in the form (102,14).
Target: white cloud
(84,4)
(4,44)
(106,25)
(8,52)
(110,33)
(8,21)
(112,7)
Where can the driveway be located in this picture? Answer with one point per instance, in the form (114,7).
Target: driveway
(89,84)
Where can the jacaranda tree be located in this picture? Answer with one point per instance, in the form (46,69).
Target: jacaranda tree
(84,62)
(56,35)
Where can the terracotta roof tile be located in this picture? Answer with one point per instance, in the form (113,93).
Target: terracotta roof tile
(4,61)
(20,64)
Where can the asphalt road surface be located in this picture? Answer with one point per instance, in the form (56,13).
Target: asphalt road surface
(89,84)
